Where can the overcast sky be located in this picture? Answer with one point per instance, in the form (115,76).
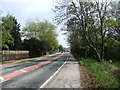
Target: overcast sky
(32,9)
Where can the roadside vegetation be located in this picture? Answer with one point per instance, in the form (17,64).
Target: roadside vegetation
(93,30)
(19,61)
(37,37)
(102,75)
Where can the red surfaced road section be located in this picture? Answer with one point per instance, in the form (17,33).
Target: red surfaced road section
(24,70)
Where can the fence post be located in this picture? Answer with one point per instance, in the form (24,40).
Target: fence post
(2,56)
(9,56)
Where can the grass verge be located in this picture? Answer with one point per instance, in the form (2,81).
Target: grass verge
(116,63)
(5,62)
(104,74)
(24,61)
(27,61)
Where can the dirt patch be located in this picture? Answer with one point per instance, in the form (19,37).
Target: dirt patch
(116,72)
(87,80)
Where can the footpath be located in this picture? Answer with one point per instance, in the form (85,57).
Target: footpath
(67,77)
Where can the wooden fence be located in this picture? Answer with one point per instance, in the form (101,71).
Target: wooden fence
(14,55)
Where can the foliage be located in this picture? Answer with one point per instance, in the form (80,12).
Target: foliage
(11,33)
(5,35)
(33,45)
(91,26)
(42,35)
(60,47)
(39,37)
(6,39)
(27,61)
(103,73)
(0,30)
(115,63)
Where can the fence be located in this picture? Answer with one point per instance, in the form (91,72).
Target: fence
(14,55)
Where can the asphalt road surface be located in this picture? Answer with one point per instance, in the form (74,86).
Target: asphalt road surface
(32,74)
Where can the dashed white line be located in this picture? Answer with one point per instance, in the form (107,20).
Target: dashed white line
(36,66)
(23,70)
(1,78)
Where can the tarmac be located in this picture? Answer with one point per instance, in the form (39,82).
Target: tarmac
(68,76)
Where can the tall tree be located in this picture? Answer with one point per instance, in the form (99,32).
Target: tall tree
(88,20)
(10,25)
(6,37)
(44,35)
(60,47)
(0,31)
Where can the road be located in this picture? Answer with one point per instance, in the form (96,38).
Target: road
(32,74)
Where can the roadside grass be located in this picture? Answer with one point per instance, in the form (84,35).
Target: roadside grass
(27,61)
(103,73)
(21,60)
(0,62)
(116,63)
(6,62)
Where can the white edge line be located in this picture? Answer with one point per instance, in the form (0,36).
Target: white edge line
(45,83)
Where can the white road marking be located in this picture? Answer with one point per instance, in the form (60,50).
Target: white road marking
(2,78)
(23,70)
(45,83)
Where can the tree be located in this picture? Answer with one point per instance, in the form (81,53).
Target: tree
(44,35)
(6,37)
(87,20)
(34,46)
(118,29)
(60,47)
(116,8)
(0,31)
(11,29)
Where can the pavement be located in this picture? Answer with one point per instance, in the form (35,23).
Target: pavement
(32,74)
(68,77)
(11,67)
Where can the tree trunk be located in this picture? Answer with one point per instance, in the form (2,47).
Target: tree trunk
(86,53)
(102,40)
(84,25)
(97,53)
